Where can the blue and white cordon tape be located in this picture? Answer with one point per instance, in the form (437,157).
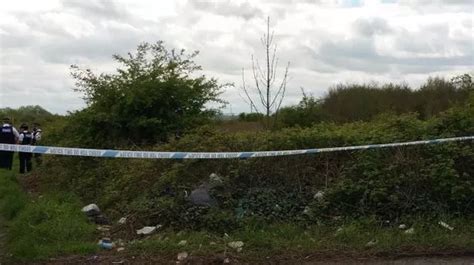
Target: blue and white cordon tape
(51,150)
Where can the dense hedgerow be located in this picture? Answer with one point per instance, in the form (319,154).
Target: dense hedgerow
(386,183)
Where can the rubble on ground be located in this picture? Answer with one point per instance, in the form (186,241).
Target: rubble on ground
(94,214)
(147,230)
(182,256)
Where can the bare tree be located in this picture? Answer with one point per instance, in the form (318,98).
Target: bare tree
(269,95)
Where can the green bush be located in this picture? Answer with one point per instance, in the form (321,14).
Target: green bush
(155,94)
(387,183)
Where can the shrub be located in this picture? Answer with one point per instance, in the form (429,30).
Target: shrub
(385,183)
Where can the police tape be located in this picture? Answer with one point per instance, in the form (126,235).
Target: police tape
(51,150)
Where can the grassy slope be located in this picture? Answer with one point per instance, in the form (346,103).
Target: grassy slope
(42,227)
(52,225)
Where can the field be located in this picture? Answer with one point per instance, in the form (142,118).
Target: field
(400,203)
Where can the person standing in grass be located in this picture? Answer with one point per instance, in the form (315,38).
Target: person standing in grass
(37,132)
(26,138)
(8,135)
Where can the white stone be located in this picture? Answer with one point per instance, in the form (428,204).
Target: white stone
(402,226)
(122,220)
(103,228)
(236,244)
(215,179)
(182,256)
(319,195)
(91,207)
(371,243)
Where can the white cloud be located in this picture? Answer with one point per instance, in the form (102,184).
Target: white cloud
(327,41)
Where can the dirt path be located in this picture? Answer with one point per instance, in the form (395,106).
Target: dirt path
(462,259)
(406,261)
(2,240)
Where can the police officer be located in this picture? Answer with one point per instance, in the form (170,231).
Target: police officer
(8,135)
(26,138)
(37,133)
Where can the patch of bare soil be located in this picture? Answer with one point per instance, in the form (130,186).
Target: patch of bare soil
(310,259)
(29,183)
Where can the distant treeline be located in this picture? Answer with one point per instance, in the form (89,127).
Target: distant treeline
(28,115)
(362,102)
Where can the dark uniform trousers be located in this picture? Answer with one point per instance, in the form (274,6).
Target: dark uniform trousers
(25,158)
(6,137)
(6,160)
(25,162)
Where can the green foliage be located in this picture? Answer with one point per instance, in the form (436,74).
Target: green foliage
(363,102)
(306,113)
(271,204)
(463,82)
(154,95)
(251,116)
(29,115)
(387,183)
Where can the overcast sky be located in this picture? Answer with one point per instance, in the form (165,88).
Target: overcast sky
(326,41)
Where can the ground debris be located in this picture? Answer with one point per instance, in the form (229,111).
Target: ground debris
(236,244)
(147,230)
(106,243)
(122,220)
(445,225)
(371,243)
(182,256)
